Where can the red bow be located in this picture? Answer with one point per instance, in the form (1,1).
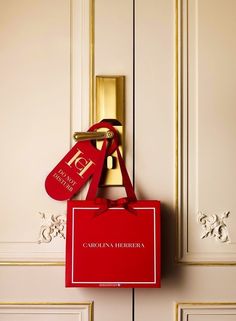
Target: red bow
(105,204)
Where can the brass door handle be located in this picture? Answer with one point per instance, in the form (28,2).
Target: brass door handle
(93,135)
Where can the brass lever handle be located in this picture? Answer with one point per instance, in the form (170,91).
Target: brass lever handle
(93,135)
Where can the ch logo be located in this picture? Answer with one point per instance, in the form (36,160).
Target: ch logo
(80,163)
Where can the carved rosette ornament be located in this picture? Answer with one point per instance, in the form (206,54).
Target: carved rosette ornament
(214,226)
(52,226)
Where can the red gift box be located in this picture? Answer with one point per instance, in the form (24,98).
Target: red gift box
(116,248)
(113,243)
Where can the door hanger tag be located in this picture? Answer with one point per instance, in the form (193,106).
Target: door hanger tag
(74,170)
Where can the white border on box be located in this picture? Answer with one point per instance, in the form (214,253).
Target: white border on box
(117,282)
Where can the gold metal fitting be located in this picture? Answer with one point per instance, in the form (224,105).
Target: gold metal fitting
(93,135)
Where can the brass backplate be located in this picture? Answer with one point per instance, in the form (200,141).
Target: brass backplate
(110,106)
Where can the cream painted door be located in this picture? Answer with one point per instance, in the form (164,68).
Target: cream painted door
(181,94)
(179,59)
(44,61)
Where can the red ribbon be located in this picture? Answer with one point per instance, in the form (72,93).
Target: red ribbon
(105,204)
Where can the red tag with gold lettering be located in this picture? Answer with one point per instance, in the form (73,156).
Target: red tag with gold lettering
(79,164)
(73,170)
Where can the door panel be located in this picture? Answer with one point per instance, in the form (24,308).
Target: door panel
(35,118)
(208,312)
(207,149)
(38,312)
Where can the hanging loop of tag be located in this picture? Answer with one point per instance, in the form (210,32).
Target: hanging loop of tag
(78,165)
(115,140)
(92,192)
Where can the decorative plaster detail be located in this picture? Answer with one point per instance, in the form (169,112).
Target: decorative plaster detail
(52,226)
(214,226)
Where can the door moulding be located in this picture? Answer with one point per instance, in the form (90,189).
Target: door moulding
(187,169)
(84,310)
